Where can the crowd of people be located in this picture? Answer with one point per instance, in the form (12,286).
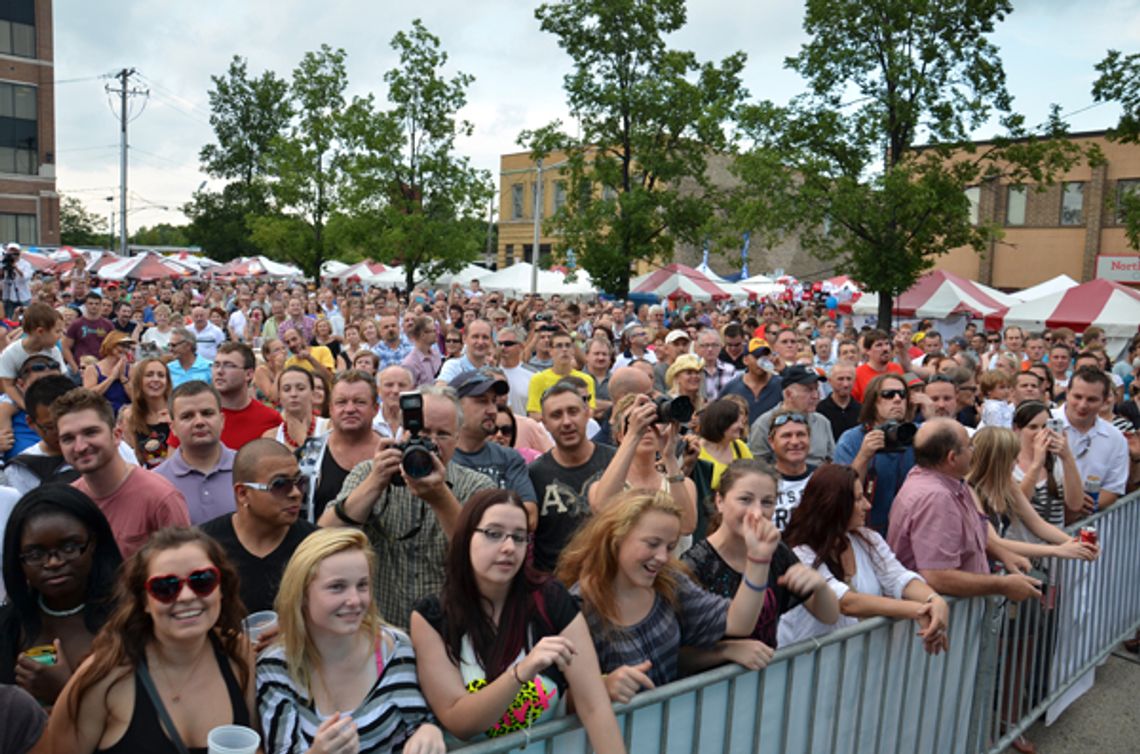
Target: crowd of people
(472,513)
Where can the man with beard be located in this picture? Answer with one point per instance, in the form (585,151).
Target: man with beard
(563,475)
(477,393)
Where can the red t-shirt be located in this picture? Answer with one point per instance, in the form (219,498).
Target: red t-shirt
(144,503)
(248,424)
(864,373)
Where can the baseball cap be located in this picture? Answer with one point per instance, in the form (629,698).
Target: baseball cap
(473,383)
(799,374)
(675,335)
(758,347)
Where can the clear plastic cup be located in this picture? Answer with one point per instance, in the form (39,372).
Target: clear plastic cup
(232,739)
(255,624)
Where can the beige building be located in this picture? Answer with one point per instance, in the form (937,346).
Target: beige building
(29,204)
(518,177)
(1070,228)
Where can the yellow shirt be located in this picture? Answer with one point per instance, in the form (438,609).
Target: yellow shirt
(321,353)
(544,380)
(739,450)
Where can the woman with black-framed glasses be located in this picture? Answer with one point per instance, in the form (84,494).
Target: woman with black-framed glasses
(60,559)
(171,663)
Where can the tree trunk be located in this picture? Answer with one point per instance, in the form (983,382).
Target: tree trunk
(886,304)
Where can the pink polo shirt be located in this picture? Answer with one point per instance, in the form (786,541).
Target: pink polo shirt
(935,526)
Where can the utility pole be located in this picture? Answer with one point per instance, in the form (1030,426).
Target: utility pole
(124,91)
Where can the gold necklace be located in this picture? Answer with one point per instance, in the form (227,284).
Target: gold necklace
(176,697)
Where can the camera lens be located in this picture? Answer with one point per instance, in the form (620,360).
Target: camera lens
(417,462)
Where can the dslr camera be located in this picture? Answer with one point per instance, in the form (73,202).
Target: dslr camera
(673,409)
(417,461)
(897,435)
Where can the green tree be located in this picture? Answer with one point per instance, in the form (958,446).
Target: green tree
(1119,81)
(648,118)
(842,165)
(307,164)
(410,191)
(247,114)
(163,234)
(78,226)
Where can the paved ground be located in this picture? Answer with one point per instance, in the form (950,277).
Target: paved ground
(1106,719)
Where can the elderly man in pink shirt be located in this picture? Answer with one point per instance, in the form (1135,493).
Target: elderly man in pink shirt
(938,531)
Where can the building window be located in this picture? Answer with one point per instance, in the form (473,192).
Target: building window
(1072,203)
(17,101)
(516,201)
(1015,205)
(1124,189)
(974,196)
(19,228)
(17,39)
(559,195)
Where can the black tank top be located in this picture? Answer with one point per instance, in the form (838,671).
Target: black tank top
(144,733)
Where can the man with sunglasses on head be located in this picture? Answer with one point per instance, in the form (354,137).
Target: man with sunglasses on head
(261,534)
(801,396)
(790,437)
(201,467)
(135,501)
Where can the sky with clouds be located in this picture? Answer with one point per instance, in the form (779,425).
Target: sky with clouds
(1049,48)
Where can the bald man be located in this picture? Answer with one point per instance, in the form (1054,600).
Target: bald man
(266,528)
(624,381)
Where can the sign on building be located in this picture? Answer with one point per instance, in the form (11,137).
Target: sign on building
(1122,269)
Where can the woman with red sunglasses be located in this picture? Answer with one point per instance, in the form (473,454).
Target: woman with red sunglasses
(170,665)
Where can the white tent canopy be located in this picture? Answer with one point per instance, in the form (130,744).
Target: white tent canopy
(1058,284)
(463,277)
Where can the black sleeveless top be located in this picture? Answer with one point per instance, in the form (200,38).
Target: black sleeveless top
(146,734)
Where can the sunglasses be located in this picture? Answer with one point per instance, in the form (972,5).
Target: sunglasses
(508,343)
(281,485)
(166,589)
(502,429)
(783,419)
(892,393)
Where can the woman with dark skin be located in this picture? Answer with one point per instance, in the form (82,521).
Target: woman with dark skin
(60,559)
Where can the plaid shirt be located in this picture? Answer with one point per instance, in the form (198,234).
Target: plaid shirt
(409,542)
(712,384)
(392,356)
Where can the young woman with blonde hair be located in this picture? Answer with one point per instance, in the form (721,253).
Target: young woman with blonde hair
(337,678)
(638,601)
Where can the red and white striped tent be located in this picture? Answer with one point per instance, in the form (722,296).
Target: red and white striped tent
(357,272)
(939,294)
(677,281)
(149,266)
(1103,303)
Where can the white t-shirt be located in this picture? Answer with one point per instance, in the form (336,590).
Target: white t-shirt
(788,495)
(14,357)
(24,481)
(8,499)
(518,377)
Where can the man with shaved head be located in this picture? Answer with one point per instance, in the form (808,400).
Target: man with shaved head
(936,529)
(624,381)
(261,535)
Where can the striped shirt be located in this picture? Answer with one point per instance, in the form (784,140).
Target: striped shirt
(387,716)
(409,542)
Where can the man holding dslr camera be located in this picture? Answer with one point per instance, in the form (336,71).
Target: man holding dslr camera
(881,447)
(16,274)
(407,509)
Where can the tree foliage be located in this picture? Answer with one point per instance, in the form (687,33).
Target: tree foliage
(162,234)
(648,118)
(410,190)
(869,166)
(78,226)
(1119,81)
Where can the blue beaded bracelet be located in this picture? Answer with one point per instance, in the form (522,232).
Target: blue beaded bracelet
(754,587)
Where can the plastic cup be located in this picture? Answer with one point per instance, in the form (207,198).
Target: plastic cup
(232,739)
(255,624)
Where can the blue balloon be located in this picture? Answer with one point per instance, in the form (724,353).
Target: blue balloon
(832,302)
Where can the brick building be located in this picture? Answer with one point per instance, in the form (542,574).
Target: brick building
(29,204)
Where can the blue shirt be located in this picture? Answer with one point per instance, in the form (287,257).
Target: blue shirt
(199,370)
(885,474)
(770,395)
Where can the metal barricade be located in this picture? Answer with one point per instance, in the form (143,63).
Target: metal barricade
(1044,653)
(872,688)
(866,688)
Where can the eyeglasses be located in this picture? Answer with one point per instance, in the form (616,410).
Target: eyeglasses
(892,393)
(166,589)
(452,340)
(993,341)
(503,429)
(495,536)
(281,485)
(224,365)
(68,551)
(508,343)
(783,419)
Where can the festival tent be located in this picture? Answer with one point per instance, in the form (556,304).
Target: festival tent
(259,266)
(761,286)
(149,266)
(1056,285)
(332,267)
(463,277)
(390,276)
(708,272)
(1103,303)
(677,281)
(357,271)
(841,283)
(939,295)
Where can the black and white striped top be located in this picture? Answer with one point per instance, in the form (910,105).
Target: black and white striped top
(389,714)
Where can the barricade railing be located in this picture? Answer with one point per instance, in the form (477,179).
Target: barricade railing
(872,687)
(1044,653)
